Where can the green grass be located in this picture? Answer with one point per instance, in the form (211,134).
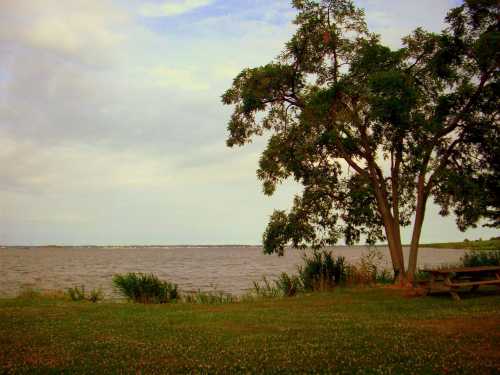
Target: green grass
(347,331)
(493,244)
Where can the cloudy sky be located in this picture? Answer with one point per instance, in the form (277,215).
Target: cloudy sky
(111,126)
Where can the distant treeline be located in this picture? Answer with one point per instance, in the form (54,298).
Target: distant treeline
(492,244)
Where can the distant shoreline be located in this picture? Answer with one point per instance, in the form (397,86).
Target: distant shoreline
(492,244)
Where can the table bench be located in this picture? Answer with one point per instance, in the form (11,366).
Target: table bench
(452,279)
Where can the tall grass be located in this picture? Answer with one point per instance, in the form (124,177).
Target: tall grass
(321,271)
(265,289)
(213,298)
(369,270)
(79,294)
(145,288)
(478,258)
(288,286)
(30,293)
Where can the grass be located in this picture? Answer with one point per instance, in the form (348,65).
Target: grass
(347,331)
(491,244)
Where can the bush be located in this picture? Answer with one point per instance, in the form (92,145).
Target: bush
(288,286)
(481,258)
(145,288)
(322,271)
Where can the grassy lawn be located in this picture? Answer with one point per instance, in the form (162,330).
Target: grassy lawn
(467,245)
(347,331)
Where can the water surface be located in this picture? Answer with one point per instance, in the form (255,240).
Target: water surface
(229,269)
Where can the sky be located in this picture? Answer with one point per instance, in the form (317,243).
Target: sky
(111,126)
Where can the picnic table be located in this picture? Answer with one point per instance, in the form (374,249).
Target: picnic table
(452,279)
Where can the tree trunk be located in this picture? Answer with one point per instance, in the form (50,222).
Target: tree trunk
(417,230)
(391,225)
(396,251)
(395,246)
(415,240)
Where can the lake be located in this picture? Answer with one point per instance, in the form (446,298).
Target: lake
(226,268)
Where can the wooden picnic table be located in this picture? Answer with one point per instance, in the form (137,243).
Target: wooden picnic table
(452,279)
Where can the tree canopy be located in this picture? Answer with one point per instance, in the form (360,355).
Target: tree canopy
(371,133)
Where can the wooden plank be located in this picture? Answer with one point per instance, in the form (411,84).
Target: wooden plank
(445,271)
(472,283)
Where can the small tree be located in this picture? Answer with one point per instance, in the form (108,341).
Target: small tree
(372,133)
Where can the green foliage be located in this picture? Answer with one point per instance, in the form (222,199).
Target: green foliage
(481,258)
(78,294)
(412,123)
(369,270)
(30,293)
(266,289)
(289,286)
(422,277)
(321,271)
(145,288)
(211,298)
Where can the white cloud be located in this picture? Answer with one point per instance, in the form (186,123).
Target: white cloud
(80,28)
(182,79)
(112,130)
(172,7)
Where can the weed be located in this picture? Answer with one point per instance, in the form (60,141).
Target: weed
(145,288)
(288,286)
(481,258)
(266,289)
(215,297)
(79,294)
(31,293)
(322,271)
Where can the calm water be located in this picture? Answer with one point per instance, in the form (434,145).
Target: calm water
(229,269)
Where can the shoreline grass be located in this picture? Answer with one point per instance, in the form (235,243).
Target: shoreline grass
(348,330)
(492,244)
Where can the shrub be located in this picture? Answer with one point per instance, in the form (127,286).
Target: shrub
(288,286)
(145,288)
(481,258)
(322,271)
(79,294)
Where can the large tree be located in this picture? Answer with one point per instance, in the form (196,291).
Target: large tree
(372,133)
